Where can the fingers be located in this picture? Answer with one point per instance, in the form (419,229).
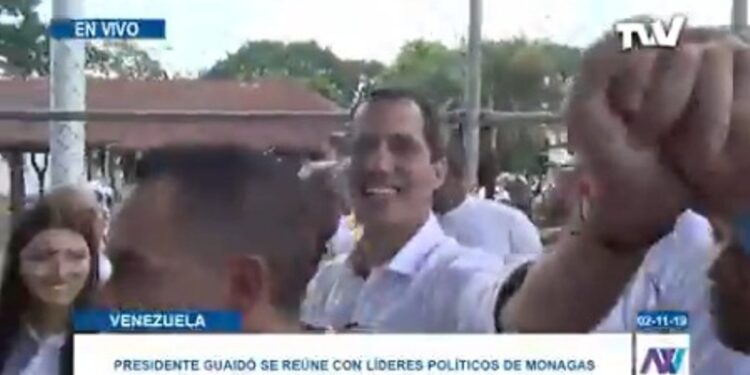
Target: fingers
(674,75)
(596,133)
(600,64)
(592,126)
(628,87)
(702,134)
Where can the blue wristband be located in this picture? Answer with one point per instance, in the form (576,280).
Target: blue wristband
(741,226)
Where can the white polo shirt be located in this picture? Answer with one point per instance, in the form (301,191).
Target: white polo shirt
(494,227)
(432,284)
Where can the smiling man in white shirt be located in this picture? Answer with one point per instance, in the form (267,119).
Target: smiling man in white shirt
(406,274)
(497,228)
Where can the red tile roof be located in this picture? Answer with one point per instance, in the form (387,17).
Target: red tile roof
(301,134)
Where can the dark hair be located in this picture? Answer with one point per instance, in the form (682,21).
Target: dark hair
(234,199)
(52,211)
(432,129)
(201,163)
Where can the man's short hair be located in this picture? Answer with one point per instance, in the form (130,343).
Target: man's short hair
(230,200)
(432,129)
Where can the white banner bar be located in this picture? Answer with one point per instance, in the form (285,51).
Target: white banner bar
(595,354)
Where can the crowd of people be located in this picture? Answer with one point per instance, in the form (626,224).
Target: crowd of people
(662,138)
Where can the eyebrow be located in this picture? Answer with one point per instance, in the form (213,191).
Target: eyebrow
(50,249)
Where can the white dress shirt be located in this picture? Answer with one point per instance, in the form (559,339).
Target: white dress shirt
(673,277)
(432,284)
(343,241)
(494,227)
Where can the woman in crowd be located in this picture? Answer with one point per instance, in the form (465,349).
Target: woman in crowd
(51,268)
(90,198)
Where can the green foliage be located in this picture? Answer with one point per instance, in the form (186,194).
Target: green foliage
(319,67)
(523,75)
(429,68)
(526,75)
(520,147)
(517,75)
(122,60)
(24,45)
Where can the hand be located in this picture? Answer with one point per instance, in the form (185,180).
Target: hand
(636,197)
(710,145)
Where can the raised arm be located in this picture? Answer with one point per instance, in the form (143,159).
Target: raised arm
(636,197)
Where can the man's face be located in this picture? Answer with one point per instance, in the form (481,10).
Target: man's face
(392,175)
(150,270)
(731,299)
(163,261)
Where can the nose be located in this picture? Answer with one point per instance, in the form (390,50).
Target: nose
(380,159)
(63,268)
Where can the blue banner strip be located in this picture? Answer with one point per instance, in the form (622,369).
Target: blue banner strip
(96,320)
(674,321)
(108,28)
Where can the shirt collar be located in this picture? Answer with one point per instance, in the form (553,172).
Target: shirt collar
(410,258)
(56,341)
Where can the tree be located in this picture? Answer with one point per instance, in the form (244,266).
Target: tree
(24,47)
(526,75)
(123,60)
(429,68)
(523,75)
(318,67)
(23,42)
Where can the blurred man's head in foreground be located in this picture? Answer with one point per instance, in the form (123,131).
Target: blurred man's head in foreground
(216,228)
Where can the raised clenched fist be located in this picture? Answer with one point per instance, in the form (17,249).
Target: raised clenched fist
(618,102)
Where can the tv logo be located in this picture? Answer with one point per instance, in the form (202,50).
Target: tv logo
(657,36)
(663,360)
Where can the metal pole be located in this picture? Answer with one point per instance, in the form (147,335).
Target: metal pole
(473,91)
(739,15)
(67,93)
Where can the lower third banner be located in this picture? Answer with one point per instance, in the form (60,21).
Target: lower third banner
(112,353)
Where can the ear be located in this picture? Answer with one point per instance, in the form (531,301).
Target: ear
(440,168)
(249,283)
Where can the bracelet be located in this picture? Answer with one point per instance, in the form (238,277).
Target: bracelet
(741,227)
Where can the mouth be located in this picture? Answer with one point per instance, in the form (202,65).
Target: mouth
(57,286)
(379,191)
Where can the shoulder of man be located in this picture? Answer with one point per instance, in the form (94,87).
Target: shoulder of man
(328,273)
(500,210)
(320,288)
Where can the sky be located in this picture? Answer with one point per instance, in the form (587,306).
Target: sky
(200,32)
